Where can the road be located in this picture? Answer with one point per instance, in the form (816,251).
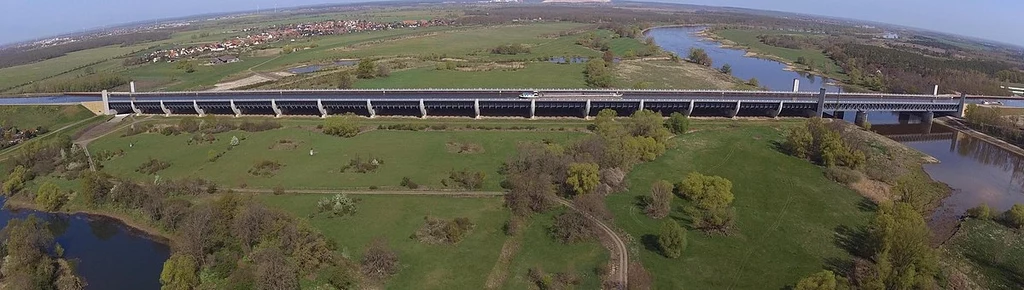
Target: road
(618,250)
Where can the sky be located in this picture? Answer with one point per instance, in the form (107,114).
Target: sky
(989,19)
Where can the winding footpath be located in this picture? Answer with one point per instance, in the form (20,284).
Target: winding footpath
(618,250)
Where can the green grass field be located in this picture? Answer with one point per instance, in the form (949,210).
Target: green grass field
(748,38)
(422,156)
(534,75)
(539,250)
(18,75)
(995,252)
(787,211)
(396,218)
(50,117)
(477,42)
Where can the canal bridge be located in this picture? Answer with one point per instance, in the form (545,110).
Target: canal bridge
(510,103)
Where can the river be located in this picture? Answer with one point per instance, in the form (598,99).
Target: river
(110,255)
(977,172)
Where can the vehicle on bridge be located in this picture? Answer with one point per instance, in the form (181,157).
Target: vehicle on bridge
(530,95)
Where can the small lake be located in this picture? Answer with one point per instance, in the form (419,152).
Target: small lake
(769,73)
(110,255)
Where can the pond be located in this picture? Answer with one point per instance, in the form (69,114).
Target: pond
(770,74)
(110,255)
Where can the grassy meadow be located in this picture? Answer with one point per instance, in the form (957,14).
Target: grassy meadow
(748,38)
(50,117)
(787,212)
(425,157)
(993,251)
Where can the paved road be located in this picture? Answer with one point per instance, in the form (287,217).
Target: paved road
(619,249)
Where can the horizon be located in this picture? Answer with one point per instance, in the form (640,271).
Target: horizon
(256,5)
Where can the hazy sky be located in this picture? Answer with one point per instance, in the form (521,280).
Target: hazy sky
(990,19)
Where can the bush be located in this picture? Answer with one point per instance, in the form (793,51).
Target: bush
(361,166)
(379,261)
(842,175)
(707,192)
(510,49)
(406,182)
(188,125)
(1015,216)
(659,203)
(265,168)
(467,179)
(982,212)
(152,166)
(341,126)
(678,123)
(720,221)
(258,126)
(440,231)
(572,227)
(583,178)
(278,190)
(337,205)
(15,182)
(50,197)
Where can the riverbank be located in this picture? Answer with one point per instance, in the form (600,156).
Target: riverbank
(709,35)
(958,125)
(130,223)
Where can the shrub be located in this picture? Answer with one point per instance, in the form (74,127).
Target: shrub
(467,179)
(707,192)
(341,126)
(188,125)
(361,166)
(672,239)
(583,178)
(842,175)
(379,261)
(719,220)
(1015,216)
(678,123)
(510,49)
(50,197)
(981,212)
(15,182)
(152,166)
(406,182)
(258,127)
(337,205)
(278,190)
(265,168)
(440,231)
(659,203)
(572,227)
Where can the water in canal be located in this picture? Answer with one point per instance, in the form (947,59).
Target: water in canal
(110,255)
(769,73)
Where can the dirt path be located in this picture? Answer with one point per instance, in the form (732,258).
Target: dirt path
(500,271)
(375,192)
(620,254)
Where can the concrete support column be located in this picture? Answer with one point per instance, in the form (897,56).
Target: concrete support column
(736,111)
(136,109)
(234,108)
(777,112)
(277,110)
(167,112)
(689,111)
(861,119)
(586,110)
(132,84)
(839,115)
(927,117)
(533,109)
(641,105)
(199,111)
(821,104)
(106,102)
(935,92)
(962,109)
(369,109)
(476,108)
(903,118)
(320,107)
(423,109)
(796,85)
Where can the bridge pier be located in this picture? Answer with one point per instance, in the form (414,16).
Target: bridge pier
(423,109)
(839,115)
(586,110)
(533,108)
(167,112)
(962,107)
(689,111)
(927,117)
(861,119)
(320,107)
(476,108)
(199,111)
(136,109)
(776,112)
(903,117)
(369,109)
(277,110)
(821,104)
(238,113)
(106,102)
(641,108)
(736,111)
(796,85)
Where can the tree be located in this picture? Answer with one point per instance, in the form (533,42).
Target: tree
(899,240)
(726,69)
(26,262)
(16,181)
(50,197)
(179,273)
(647,123)
(572,227)
(345,80)
(608,57)
(660,202)
(699,56)
(379,261)
(274,271)
(678,123)
(366,69)
(583,178)
(824,280)
(672,240)
(597,74)
(1015,216)
(707,192)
